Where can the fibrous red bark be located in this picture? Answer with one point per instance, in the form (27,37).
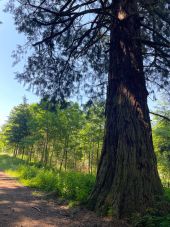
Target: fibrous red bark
(127,179)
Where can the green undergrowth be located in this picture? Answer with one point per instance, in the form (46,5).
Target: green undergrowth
(73,186)
(158,216)
(167,194)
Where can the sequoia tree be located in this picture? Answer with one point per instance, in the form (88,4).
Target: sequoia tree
(78,41)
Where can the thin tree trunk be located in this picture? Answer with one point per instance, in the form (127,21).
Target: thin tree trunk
(52,153)
(65,162)
(14,151)
(31,153)
(127,178)
(43,152)
(92,157)
(51,158)
(17,151)
(75,160)
(89,157)
(64,154)
(62,160)
(97,153)
(23,152)
(46,150)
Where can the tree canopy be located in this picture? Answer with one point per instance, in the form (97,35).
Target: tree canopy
(73,45)
(70,44)
(68,138)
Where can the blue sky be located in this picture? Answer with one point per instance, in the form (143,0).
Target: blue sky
(11,92)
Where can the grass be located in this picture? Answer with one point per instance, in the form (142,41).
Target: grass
(73,186)
(76,188)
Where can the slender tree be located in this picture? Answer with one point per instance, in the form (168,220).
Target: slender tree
(17,127)
(77,41)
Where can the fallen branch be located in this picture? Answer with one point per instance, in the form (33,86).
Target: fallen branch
(36,208)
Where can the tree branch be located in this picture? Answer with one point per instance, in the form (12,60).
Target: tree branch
(160,115)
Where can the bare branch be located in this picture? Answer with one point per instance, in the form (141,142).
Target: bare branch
(160,115)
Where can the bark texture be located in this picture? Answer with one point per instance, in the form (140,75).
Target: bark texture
(127,179)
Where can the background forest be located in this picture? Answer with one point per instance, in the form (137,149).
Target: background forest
(56,148)
(69,137)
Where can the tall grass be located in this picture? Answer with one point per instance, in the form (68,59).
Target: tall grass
(70,185)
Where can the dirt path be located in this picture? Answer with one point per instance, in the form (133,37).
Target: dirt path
(20,208)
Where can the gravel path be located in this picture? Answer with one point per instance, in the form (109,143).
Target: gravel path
(20,208)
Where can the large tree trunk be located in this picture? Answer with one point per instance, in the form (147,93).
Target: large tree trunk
(127,179)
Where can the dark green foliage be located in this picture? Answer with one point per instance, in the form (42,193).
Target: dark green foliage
(167,194)
(17,129)
(152,221)
(157,216)
(69,49)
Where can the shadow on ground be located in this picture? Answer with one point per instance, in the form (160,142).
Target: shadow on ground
(19,207)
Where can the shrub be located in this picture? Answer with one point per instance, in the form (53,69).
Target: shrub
(70,185)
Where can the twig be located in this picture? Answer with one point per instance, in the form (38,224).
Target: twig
(36,208)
